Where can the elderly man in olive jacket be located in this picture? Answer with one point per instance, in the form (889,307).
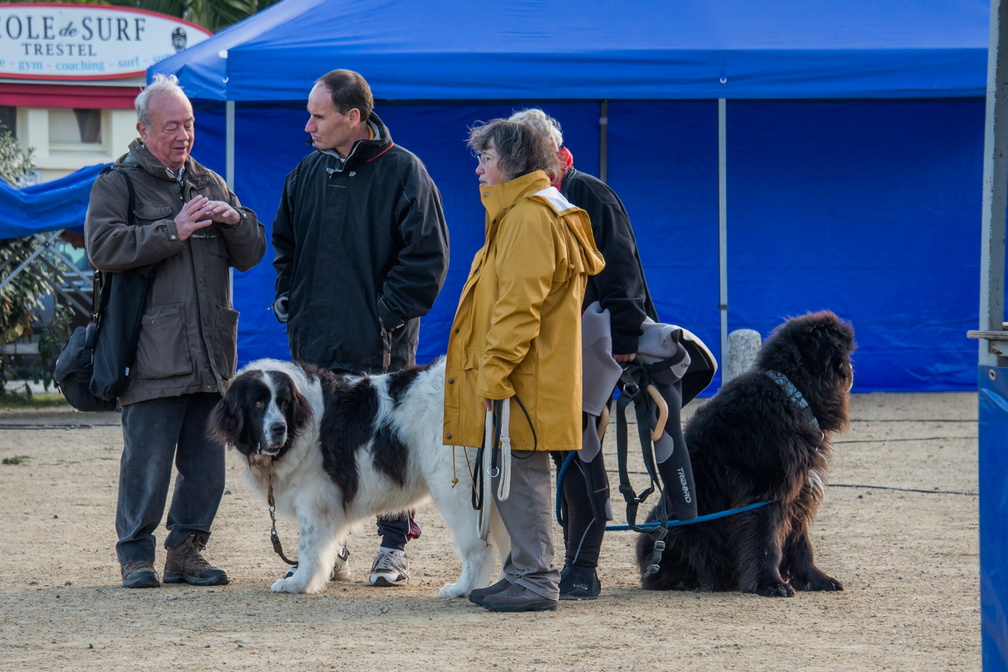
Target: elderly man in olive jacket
(192,229)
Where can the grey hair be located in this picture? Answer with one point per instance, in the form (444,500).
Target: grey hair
(161,84)
(520,148)
(541,123)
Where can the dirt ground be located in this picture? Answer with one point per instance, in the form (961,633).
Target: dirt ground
(899,529)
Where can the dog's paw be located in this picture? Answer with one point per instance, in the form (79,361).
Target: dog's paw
(775,590)
(452,590)
(820,582)
(287,586)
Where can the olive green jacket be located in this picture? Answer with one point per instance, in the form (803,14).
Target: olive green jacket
(188,336)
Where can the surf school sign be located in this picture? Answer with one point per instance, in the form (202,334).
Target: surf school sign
(74,42)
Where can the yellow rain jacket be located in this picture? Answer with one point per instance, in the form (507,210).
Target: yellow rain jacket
(517,330)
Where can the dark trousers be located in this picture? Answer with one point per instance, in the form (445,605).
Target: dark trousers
(583,528)
(394,531)
(584,499)
(157,433)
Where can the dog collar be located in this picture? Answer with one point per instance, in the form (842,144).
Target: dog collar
(794,395)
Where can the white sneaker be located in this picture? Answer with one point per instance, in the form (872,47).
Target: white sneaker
(390,568)
(340,570)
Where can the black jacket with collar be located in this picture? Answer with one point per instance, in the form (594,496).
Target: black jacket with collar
(360,243)
(621,286)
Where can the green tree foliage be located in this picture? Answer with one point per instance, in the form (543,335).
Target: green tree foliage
(15,163)
(214,15)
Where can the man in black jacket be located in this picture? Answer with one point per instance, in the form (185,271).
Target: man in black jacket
(361,254)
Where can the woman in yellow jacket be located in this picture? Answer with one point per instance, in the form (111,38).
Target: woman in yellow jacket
(517,338)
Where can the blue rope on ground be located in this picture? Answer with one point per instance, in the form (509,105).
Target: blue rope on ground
(672,523)
(699,519)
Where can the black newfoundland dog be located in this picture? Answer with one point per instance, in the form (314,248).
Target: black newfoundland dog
(765,436)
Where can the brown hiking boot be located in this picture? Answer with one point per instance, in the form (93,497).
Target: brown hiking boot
(139,574)
(185,564)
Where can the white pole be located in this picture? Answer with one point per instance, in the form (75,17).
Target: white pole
(229,169)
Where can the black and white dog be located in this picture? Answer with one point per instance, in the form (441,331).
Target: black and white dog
(339,450)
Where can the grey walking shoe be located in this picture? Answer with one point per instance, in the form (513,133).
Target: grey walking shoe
(139,574)
(518,598)
(185,564)
(477,595)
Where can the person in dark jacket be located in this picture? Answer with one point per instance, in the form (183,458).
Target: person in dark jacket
(191,228)
(361,254)
(622,290)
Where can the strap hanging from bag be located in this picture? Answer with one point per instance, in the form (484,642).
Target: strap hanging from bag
(102,288)
(633,388)
(102,285)
(123,295)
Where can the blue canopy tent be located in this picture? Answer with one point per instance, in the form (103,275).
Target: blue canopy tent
(789,155)
(60,204)
(41,214)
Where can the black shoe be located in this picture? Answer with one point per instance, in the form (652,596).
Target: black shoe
(518,598)
(579,583)
(477,595)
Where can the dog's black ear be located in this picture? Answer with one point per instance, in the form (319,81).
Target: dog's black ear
(227,419)
(301,411)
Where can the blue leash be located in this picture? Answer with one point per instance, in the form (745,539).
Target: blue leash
(672,523)
(699,519)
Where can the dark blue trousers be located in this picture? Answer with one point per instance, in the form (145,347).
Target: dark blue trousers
(157,433)
(394,531)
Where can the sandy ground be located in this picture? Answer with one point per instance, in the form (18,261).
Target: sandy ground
(899,529)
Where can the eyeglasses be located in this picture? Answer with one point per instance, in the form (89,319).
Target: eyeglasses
(484,158)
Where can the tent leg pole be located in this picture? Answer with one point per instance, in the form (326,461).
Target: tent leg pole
(229,169)
(992,373)
(604,140)
(723,229)
(995,177)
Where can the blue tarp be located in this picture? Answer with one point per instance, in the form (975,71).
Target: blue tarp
(993,465)
(60,204)
(871,210)
(599,49)
(854,147)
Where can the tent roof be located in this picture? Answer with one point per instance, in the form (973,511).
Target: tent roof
(598,49)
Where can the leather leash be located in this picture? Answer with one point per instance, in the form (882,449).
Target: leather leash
(274,537)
